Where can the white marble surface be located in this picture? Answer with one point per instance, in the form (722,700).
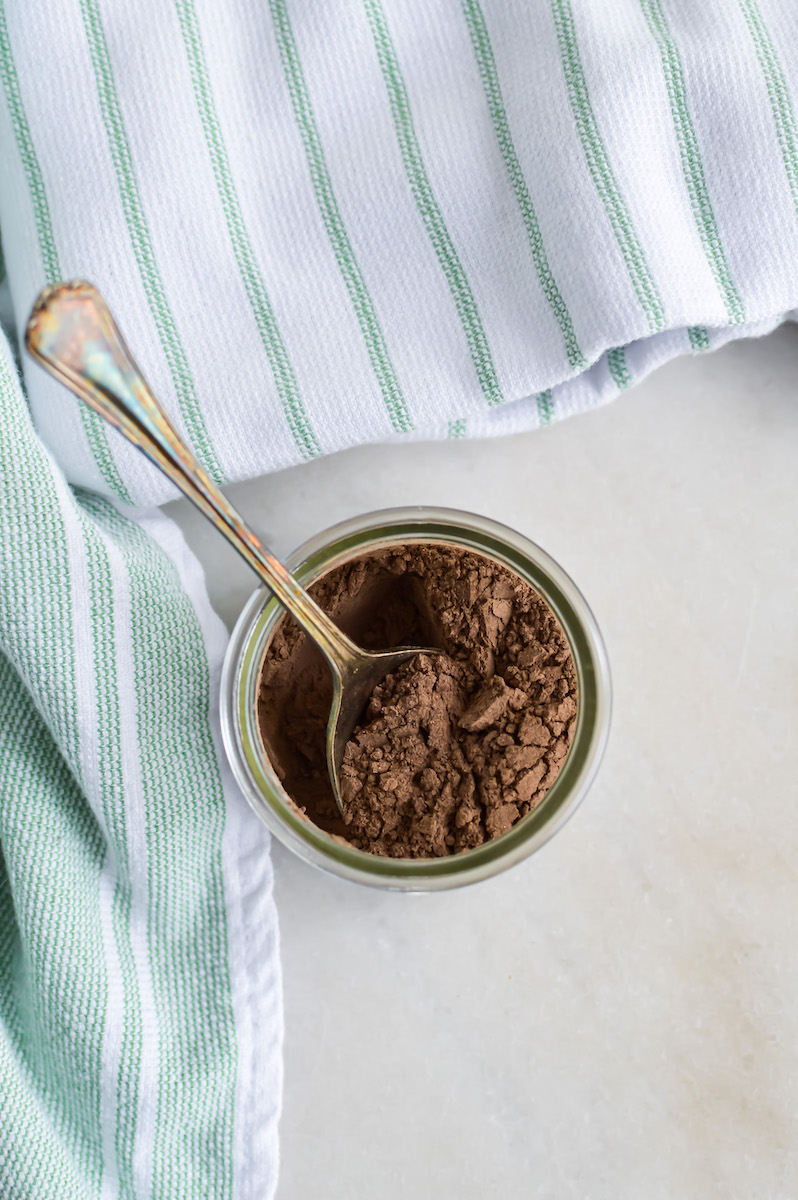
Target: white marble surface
(618,1017)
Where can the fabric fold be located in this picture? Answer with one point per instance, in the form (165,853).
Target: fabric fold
(324,226)
(140,964)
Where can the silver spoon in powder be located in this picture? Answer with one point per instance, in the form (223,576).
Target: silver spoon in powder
(72,334)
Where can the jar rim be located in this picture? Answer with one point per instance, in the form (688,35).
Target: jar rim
(362,535)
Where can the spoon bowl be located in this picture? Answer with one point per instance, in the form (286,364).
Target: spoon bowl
(72,334)
(350,697)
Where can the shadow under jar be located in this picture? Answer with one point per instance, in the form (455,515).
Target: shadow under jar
(370,534)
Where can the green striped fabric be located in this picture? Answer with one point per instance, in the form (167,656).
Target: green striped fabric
(428,206)
(93,425)
(781,100)
(490,78)
(365,220)
(141,240)
(692,163)
(545,406)
(333,223)
(120,1064)
(284,377)
(601,170)
(616,361)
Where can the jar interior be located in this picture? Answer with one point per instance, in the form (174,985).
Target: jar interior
(366,534)
(384,609)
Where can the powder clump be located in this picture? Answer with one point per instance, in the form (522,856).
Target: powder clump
(454,748)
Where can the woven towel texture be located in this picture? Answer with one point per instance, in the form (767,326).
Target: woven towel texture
(140,1018)
(327,224)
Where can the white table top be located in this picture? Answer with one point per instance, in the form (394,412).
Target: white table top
(618,1016)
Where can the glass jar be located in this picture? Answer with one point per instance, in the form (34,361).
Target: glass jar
(378,531)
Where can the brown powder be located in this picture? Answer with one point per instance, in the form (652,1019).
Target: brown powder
(454,748)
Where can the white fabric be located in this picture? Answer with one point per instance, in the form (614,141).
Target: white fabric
(195,109)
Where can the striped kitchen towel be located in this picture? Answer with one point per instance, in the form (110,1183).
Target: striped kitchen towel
(140,1019)
(317,225)
(322,224)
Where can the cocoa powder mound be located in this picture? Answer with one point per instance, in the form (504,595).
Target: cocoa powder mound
(453,748)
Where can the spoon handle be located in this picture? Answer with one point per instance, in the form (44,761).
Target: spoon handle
(72,334)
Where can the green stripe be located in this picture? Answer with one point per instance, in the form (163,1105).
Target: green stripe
(692,164)
(51,1016)
(187,921)
(457,429)
(545,406)
(252,278)
(27,153)
(333,222)
(778,91)
(36,561)
(112,791)
(49,1172)
(94,427)
(601,171)
(141,241)
(699,338)
(56,855)
(428,206)
(616,361)
(501,126)
(52,1021)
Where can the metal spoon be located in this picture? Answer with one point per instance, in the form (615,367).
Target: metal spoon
(72,334)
